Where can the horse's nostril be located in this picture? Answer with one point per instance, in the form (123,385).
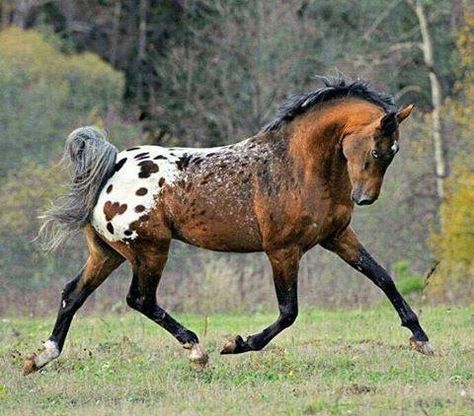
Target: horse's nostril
(361,198)
(365,201)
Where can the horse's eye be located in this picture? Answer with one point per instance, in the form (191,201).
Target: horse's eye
(375,154)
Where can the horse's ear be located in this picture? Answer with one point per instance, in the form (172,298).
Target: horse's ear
(405,112)
(389,124)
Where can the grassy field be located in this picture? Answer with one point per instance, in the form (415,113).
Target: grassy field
(330,362)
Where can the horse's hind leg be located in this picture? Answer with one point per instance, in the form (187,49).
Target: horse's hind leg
(147,270)
(285,265)
(101,262)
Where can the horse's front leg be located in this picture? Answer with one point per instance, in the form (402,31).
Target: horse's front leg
(348,247)
(285,264)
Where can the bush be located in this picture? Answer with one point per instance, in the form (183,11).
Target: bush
(407,283)
(45,94)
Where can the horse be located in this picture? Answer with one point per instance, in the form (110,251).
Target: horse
(290,187)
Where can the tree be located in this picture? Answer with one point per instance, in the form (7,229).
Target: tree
(436,98)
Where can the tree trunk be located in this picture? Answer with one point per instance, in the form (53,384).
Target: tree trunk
(6,10)
(141,56)
(436,99)
(115,32)
(23,9)
(20,12)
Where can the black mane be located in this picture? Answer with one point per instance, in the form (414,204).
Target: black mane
(335,87)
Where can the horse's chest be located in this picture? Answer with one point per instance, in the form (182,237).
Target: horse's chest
(322,223)
(336,217)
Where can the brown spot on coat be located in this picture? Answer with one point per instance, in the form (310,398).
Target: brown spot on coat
(109,189)
(141,191)
(113,209)
(147,168)
(161,181)
(139,208)
(183,161)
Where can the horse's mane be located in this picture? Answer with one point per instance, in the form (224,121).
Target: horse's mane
(335,87)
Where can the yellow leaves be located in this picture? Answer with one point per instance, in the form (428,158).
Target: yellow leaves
(30,58)
(28,50)
(457,242)
(454,278)
(465,40)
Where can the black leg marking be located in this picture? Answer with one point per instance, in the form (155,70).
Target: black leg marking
(285,266)
(348,247)
(142,297)
(369,267)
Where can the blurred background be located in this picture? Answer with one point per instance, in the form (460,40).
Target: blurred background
(207,73)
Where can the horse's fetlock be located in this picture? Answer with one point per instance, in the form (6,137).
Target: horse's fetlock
(254,343)
(187,338)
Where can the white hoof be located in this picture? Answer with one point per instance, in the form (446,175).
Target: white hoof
(34,361)
(198,355)
(423,347)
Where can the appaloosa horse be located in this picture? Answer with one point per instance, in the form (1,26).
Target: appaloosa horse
(283,191)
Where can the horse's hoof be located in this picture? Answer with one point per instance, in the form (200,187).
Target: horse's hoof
(198,356)
(29,365)
(421,346)
(235,346)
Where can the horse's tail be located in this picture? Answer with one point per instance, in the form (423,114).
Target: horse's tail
(91,160)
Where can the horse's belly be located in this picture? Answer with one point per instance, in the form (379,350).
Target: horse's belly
(219,236)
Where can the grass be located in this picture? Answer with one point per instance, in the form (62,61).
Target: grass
(330,363)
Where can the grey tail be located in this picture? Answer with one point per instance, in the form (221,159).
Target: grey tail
(91,161)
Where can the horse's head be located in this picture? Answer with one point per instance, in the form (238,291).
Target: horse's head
(369,150)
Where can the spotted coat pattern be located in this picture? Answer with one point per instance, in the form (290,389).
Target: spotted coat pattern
(134,189)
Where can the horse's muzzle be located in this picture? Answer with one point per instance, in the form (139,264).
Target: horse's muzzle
(362,198)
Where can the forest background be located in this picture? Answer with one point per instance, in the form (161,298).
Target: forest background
(206,73)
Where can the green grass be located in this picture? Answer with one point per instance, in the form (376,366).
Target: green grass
(330,363)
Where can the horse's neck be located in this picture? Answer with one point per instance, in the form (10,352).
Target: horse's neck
(315,148)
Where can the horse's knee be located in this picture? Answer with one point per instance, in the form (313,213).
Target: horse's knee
(70,286)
